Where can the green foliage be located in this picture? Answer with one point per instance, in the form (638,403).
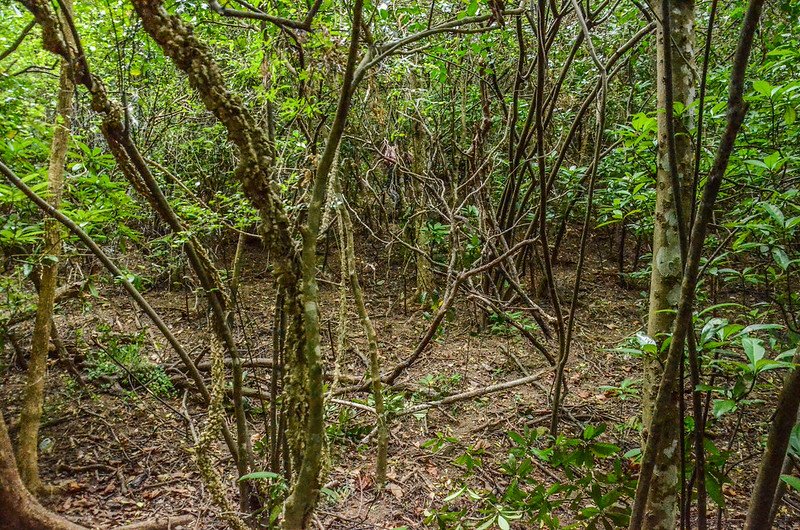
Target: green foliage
(729,350)
(441,384)
(119,358)
(500,324)
(627,389)
(276,490)
(594,489)
(343,425)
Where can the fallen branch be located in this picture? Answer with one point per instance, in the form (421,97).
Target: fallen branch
(159,523)
(474,393)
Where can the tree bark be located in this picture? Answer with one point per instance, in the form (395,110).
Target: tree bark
(33,401)
(761,501)
(307,378)
(20,511)
(664,402)
(418,164)
(676,84)
(348,249)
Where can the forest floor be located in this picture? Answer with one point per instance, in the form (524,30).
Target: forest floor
(123,457)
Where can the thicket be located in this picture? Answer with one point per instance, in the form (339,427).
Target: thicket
(482,151)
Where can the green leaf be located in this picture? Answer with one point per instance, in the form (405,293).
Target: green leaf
(793,482)
(486,524)
(633,453)
(753,349)
(794,441)
(759,327)
(332,495)
(723,406)
(781,258)
(503,523)
(773,161)
(789,116)
(260,475)
(714,489)
(774,212)
(456,494)
(592,431)
(762,87)
(604,449)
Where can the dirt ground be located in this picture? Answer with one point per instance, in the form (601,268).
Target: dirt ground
(123,456)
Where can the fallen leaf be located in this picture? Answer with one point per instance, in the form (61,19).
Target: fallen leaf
(395,490)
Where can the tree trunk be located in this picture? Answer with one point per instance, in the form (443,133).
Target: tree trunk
(348,249)
(18,508)
(419,166)
(665,281)
(31,414)
(664,401)
(758,514)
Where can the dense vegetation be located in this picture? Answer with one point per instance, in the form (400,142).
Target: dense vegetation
(394,265)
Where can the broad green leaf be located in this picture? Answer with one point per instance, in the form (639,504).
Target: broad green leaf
(753,349)
(714,489)
(604,449)
(781,258)
(486,524)
(793,482)
(774,212)
(723,406)
(773,161)
(763,87)
(789,116)
(503,523)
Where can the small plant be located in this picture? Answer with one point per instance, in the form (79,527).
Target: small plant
(594,488)
(342,425)
(275,489)
(119,358)
(441,384)
(501,323)
(627,389)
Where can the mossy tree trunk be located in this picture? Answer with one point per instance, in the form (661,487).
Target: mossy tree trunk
(349,262)
(33,401)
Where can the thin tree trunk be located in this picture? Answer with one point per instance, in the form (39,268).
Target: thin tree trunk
(676,84)
(33,401)
(308,387)
(348,248)
(419,163)
(664,402)
(761,501)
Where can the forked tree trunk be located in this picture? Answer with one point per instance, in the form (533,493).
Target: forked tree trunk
(665,280)
(31,414)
